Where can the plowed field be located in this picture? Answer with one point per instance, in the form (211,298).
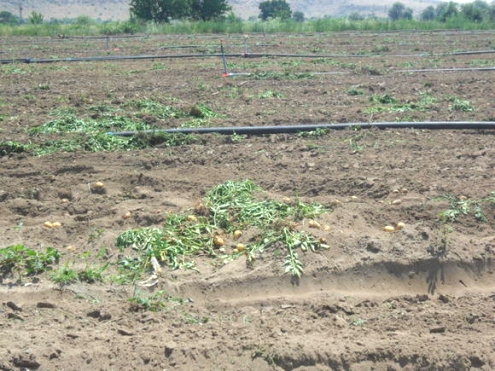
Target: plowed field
(420,297)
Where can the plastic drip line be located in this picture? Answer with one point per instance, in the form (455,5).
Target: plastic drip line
(449,69)
(105,58)
(260,130)
(223,55)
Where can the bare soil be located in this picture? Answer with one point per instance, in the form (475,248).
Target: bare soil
(421,298)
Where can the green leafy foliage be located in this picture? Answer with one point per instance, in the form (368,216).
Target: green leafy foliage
(231,206)
(462,206)
(8,18)
(388,103)
(64,275)
(399,11)
(319,132)
(93,273)
(209,9)
(92,134)
(35,18)
(27,261)
(274,9)
(151,107)
(153,303)
(355,91)
(463,105)
(9,147)
(166,10)
(288,74)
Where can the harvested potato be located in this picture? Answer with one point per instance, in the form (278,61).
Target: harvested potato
(218,241)
(314,224)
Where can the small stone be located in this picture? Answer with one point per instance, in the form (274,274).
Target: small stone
(3,196)
(14,316)
(14,306)
(443,298)
(27,360)
(438,330)
(423,297)
(471,318)
(94,314)
(42,304)
(55,354)
(105,316)
(168,351)
(125,332)
(373,247)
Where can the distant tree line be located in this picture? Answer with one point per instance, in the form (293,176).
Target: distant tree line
(167,10)
(477,11)
(9,18)
(164,11)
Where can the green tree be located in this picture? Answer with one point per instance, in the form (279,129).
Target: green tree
(35,18)
(8,18)
(446,10)
(355,16)
(476,11)
(84,20)
(399,11)
(160,10)
(209,9)
(298,16)
(428,14)
(274,9)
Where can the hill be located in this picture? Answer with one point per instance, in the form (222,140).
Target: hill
(119,9)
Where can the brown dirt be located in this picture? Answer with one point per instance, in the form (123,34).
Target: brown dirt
(372,301)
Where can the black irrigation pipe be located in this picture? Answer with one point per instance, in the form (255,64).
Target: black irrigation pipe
(258,130)
(105,58)
(242,55)
(448,69)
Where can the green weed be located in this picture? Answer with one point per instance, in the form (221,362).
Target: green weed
(286,75)
(388,103)
(152,303)
(91,135)
(237,138)
(203,111)
(460,206)
(151,107)
(355,91)
(9,147)
(481,63)
(319,132)
(26,261)
(195,320)
(383,99)
(458,104)
(159,66)
(226,208)
(92,272)
(270,94)
(64,275)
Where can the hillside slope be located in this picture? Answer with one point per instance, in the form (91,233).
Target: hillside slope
(119,9)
